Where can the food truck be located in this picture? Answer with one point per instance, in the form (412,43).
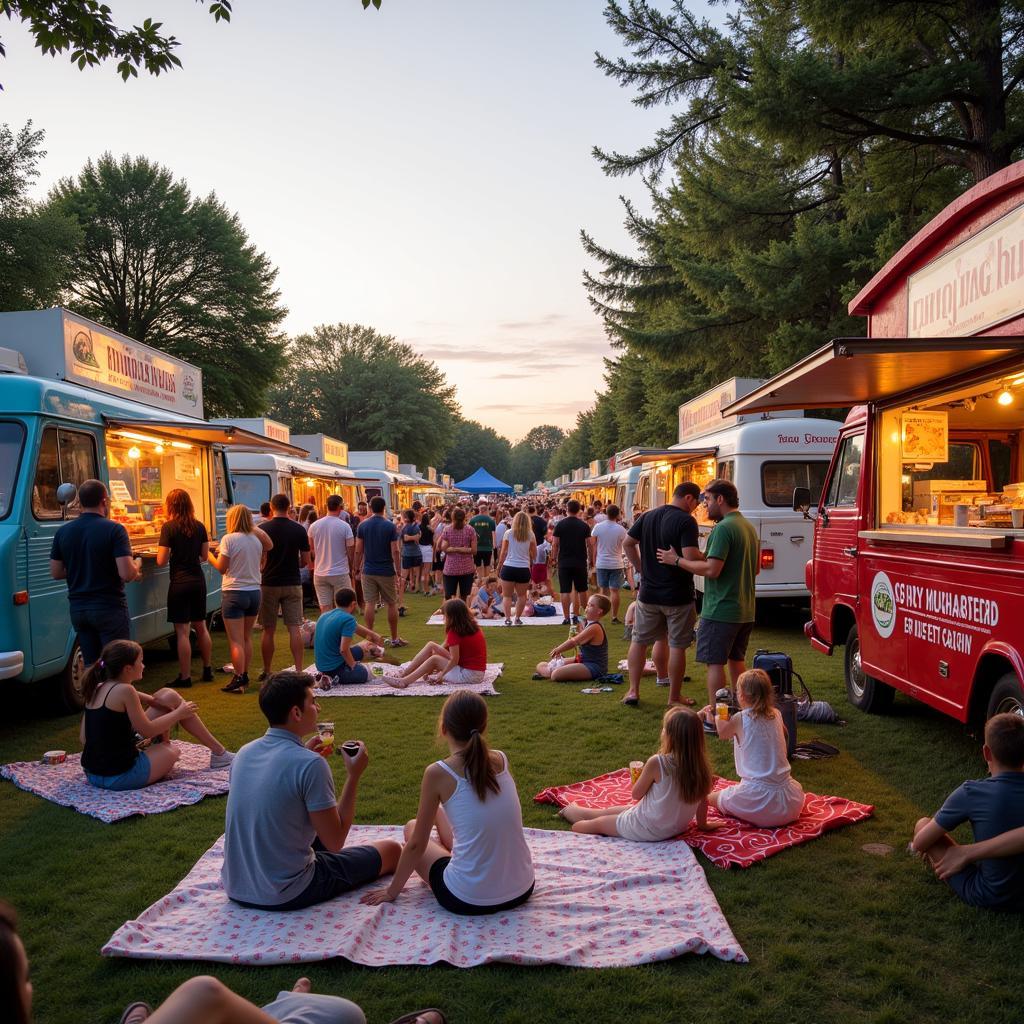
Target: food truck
(383,478)
(80,401)
(918,553)
(766,456)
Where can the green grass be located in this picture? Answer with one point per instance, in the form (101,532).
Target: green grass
(833,933)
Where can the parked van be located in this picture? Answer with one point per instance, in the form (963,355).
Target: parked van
(917,569)
(80,401)
(383,478)
(766,457)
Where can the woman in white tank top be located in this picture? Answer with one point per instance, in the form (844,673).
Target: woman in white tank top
(515,559)
(482,864)
(672,789)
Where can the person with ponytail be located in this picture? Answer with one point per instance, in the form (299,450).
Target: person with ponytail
(462,660)
(768,796)
(116,713)
(482,864)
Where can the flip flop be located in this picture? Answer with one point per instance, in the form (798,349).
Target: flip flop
(399,642)
(410,1017)
(132,1007)
(630,702)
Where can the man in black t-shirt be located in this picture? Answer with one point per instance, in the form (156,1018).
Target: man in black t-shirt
(540,524)
(282,584)
(572,549)
(665,609)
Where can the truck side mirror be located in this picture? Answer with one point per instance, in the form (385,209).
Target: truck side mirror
(66,494)
(802,501)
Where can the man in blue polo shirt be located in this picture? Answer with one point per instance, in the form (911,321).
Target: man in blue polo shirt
(94,555)
(284,830)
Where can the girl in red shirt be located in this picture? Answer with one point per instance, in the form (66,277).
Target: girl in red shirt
(462,660)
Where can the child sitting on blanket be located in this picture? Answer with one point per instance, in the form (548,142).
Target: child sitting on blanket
(592,660)
(461,661)
(339,661)
(673,788)
(115,711)
(482,864)
(768,796)
(487,600)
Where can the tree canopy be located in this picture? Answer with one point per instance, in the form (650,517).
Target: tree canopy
(475,445)
(369,390)
(176,272)
(530,457)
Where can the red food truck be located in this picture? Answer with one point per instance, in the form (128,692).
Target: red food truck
(917,567)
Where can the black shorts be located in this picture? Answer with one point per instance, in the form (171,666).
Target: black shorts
(719,642)
(186,602)
(452,903)
(96,627)
(570,577)
(512,574)
(483,557)
(438,564)
(463,584)
(412,561)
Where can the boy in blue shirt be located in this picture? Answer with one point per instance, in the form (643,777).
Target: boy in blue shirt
(993,806)
(336,655)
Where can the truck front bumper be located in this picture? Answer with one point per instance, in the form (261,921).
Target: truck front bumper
(12,663)
(816,642)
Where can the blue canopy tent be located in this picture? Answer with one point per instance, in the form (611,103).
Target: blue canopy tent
(481,482)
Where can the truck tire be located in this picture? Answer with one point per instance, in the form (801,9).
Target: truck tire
(1007,696)
(66,695)
(863,691)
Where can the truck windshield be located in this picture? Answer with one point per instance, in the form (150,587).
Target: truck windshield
(12,439)
(250,489)
(778,479)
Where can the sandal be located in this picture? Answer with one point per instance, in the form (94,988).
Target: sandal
(519,622)
(136,1012)
(410,1018)
(630,702)
(398,642)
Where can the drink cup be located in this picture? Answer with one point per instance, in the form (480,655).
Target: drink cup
(350,748)
(635,768)
(325,730)
(377,670)
(722,712)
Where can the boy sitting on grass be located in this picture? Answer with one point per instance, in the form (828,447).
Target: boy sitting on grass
(993,806)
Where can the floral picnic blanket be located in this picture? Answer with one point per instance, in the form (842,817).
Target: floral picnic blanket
(379,688)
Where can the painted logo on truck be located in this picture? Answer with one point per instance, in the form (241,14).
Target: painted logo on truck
(883,605)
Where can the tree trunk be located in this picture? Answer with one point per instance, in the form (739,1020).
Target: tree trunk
(988,116)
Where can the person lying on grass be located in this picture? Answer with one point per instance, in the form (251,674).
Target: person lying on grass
(768,796)
(980,875)
(115,712)
(672,789)
(340,661)
(461,661)
(482,864)
(284,829)
(592,641)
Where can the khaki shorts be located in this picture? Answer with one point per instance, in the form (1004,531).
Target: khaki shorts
(327,586)
(658,621)
(288,599)
(382,587)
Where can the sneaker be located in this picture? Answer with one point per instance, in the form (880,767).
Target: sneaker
(565,622)
(710,728)
(237,685)
(221,760)
(207,673)
(180,684)
(661,682)
(263,677)
(575,620)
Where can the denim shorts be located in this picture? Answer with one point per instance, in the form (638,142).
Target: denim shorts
(135,778)
(719,642)
(239,604)
(613,579)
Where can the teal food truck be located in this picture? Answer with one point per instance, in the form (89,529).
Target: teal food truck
(78,400)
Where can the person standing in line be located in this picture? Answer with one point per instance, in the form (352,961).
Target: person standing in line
(282,583)
(94,555)
(426,551)
(515,559)
(379,563)
(412,558)
(331,547)
(458,544)
(185,544)
(664,609)
(264,514)
(729,566)
(485,528)
(600,515)
(572,550)
(539,522)
(609,536)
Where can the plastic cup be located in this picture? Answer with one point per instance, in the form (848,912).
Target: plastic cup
(350,748)
(635,768)
(325,730)
(722,712)
(377,670)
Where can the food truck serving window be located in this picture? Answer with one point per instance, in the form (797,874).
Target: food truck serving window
(12,440)
(778,479)
(65,457)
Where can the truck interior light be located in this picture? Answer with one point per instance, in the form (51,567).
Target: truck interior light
(134,452)
(895,437)
(159,449)
(138,437)
(182,445)
(1005,397)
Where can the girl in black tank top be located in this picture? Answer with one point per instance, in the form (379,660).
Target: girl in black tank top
(592,642)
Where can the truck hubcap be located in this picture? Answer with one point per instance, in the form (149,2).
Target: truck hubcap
(857,681)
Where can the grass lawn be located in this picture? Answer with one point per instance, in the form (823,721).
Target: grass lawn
(833,933)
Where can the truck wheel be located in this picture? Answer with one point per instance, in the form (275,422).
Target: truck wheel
(1007,696)
(863,691)
(66,695)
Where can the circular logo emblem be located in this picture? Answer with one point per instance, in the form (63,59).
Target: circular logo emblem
(883,605)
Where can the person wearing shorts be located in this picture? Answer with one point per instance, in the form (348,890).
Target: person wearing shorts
(284,837)
(572,550)
(609,536)
(378,560)
(282,582)
(332,545)
(485,528)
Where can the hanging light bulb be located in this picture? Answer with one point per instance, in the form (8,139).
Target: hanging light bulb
(1005,397)
(134,453)
(159,449)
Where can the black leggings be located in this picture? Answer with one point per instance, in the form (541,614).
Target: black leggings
(463,584)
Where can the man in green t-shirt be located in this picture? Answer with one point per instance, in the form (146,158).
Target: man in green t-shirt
(730,566)
(485,527)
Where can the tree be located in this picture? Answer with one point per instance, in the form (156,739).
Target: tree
(368,390)
(576,449)
(475,445)
(35,243)
(178,273)
(530,456)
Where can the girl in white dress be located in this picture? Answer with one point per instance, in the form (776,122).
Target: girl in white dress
(672,789)
(768,796)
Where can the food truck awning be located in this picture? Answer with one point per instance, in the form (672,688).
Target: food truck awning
(638,456)
(854,371)
(205,433)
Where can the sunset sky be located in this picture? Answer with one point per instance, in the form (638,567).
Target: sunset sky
(424,169)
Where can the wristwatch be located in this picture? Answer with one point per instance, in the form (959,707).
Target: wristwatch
(678,560)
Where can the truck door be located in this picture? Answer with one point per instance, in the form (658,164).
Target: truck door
(835,537)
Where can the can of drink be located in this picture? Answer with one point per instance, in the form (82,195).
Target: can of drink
(635,768)
(55,757)
(722,712)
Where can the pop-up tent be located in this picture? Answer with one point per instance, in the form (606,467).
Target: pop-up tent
(481,482)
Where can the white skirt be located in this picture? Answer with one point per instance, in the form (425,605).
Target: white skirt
(761,804)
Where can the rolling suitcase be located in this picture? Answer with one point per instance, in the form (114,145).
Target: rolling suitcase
(779,668)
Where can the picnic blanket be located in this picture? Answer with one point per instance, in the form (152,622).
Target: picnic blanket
(734,843)
(649,669)
(378,688)
(598,902)
(65,784)
(529,620)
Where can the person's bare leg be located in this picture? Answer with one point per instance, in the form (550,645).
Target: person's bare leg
(434,664)
(574,812)
(235,629)
(507,591)
(184,647)
(676,671)
(393,619)
(572,673)
(193,724)
(521,589)
(659,655)
(635,660)
(250,622)
(616,598)
(295,642)
(566,598)
(267,646)
(432,853)
(162,758)
(603,826)
(935,852)
(369,613)
(204,642)
(543,669)
(716,681)
(444,828)
(736,669)
(427,651)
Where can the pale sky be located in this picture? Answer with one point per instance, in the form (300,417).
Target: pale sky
(424,169)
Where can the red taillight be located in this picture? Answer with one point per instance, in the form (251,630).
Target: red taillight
(21,597)
(767,558)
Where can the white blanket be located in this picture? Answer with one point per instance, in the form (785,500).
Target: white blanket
(530,620)
(378,688)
